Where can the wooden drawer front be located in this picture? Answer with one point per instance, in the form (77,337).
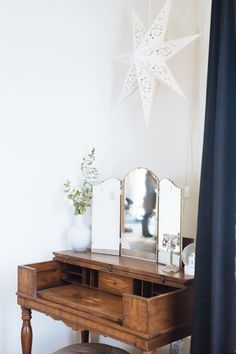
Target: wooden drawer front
(159,313)
(37,276)
(115,284)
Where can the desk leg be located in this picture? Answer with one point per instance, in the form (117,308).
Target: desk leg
(26,331)
(84,336)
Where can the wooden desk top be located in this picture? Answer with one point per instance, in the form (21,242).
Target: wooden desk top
(89,300)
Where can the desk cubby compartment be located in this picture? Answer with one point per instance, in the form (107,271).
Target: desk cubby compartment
(148,289)
(158,313)
(38,276)
(75,274)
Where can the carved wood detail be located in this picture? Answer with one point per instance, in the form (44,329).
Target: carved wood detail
(26,331)
(71,325)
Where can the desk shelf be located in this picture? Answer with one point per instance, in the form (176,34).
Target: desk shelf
(149,289)
(79,275)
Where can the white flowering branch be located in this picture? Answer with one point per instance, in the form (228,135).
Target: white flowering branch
(81,197)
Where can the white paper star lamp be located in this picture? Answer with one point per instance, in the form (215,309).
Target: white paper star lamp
(149,57)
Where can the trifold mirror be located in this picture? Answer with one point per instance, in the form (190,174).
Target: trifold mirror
(139,214)
(138,217)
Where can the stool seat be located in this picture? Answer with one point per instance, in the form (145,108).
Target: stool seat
(90,348)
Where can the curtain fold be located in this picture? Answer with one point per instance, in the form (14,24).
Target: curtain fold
(214,309)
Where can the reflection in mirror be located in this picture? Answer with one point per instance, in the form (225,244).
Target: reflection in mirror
(169,222)
(106,217)
(140,210)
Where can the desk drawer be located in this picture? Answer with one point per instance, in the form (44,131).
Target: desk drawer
(37,276)
(115,284)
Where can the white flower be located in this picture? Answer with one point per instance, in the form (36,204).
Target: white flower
(81,197)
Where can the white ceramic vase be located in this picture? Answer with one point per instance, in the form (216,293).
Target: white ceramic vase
(80,232)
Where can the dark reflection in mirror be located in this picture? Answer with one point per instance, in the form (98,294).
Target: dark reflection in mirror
(140,213)
(149,204)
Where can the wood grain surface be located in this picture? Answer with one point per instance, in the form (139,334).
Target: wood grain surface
(90,300)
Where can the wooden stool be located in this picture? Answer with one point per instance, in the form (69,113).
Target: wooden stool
(90,348)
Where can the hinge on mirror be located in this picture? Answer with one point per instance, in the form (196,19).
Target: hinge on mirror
(109,267)
(121,187)
(163,279)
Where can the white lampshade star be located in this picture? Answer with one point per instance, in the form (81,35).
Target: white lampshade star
(149,57)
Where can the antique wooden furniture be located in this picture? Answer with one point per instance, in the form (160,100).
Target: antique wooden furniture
(90,348)
(128,299)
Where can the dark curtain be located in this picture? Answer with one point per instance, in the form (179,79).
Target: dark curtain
(214,311)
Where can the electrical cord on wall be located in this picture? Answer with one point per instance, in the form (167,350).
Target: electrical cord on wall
(194,25)
(189,139)
(149,12)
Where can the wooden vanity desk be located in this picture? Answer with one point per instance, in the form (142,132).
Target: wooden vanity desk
(127,299)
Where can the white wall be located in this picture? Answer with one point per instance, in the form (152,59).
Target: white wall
(58,86)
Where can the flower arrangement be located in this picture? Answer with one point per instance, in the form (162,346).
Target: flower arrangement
(81,197)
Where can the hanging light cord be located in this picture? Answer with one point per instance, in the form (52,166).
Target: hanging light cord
(149,12)
(188,17)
